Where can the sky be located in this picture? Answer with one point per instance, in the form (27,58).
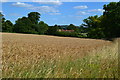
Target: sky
(61,13)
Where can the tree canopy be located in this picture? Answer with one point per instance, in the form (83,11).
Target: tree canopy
(43,27)
(107,25)
(23,25)
(111,21)
(30,24)
(34,17)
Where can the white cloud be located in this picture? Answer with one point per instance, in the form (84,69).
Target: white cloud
(96,10)
(3,0)
(59,0)
(82,13)
(55,13)
(44,9)
(20,4)
(80,7)
(52,2)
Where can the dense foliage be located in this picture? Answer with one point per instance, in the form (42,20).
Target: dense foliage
(52,30)
(111,21)
(106,26)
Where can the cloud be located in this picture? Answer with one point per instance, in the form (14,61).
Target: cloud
(80,7)
(86,12)
(44,9)
(55,13)
(3,0)
(82,13)
(59,0)
(51,2)
(20,4)
(96,10)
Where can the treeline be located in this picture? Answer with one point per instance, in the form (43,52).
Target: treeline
(106,26)
(30,25)
(54,30)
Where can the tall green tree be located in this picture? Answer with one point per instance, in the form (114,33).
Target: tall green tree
(91,21)
(34,17)
(93,25)
(73,27)
(107,25)
(42,28)
(28,24)
(7,26)
(23,25)
(111,21)
(52,30)
(1,17)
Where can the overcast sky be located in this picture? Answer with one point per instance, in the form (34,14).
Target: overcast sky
(61,13)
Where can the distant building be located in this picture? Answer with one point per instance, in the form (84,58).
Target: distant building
(62,30)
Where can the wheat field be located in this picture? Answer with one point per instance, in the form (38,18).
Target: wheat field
(42,56)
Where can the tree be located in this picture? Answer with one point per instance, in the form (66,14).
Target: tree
(3,20)
(1,17)
(24,25)
(82,29)
(111,21)
(93,25)
(91,22)
(107,25)
(28,24)
(52,30)
(7,26)
(34,17)
(42,28)
(73,27)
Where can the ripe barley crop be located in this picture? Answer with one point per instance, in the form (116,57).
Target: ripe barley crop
(40,56)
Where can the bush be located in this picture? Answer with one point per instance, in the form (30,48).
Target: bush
(82,35)
(67,34)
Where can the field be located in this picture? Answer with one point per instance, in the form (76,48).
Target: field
(41,56)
